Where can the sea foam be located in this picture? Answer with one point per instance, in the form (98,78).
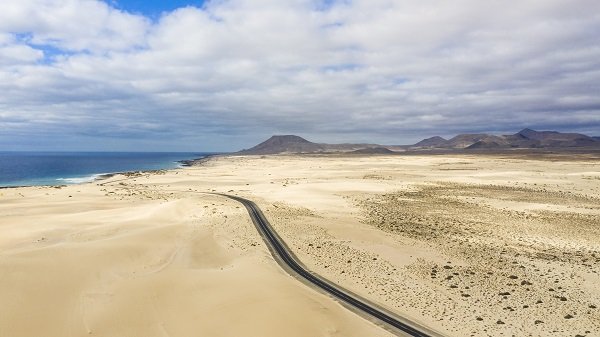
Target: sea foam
(80,180)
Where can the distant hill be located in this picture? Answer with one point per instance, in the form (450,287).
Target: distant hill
(466,140)
(284,144)
(484,144)
(297,144)
(557,139)
(435,141)
(526,138)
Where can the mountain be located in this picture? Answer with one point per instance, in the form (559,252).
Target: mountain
(466,140)
(284,144)
(484,144)
(435,141)
(532,134)
(526,138)
(557,139)
(297,144)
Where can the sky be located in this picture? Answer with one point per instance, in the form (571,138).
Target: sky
(221,75)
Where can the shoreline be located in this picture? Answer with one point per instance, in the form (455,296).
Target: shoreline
(103,176)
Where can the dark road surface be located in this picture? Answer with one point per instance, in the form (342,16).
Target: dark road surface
(289,262)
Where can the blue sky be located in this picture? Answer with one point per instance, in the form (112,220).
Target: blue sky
(227,74)
(152,8)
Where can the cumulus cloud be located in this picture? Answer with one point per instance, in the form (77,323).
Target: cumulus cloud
(73,25)
(234,71)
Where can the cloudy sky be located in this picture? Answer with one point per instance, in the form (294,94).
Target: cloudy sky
(225,74)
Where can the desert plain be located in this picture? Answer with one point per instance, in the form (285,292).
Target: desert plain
(466,244)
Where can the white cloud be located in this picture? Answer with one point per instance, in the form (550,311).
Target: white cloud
(387,71)
(73,25)
(17,54)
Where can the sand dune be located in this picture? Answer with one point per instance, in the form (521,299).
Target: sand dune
(93,264)
(484,246)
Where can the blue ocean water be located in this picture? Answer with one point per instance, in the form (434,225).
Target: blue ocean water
(59,168)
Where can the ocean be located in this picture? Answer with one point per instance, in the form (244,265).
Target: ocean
(61,168)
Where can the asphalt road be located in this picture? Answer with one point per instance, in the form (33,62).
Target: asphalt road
(290,263)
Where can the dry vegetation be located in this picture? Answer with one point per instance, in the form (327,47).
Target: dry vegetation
(512,267)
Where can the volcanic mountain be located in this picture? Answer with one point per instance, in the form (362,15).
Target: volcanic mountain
(435,141)
(526,138)
(284,144)
(558,139)
(297,144)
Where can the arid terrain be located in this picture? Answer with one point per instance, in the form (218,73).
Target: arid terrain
(470,245)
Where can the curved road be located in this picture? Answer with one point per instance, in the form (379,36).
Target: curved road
(288,261)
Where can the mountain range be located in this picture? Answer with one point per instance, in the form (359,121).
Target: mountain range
(524,139)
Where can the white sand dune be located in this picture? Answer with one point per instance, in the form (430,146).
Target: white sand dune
(92,265)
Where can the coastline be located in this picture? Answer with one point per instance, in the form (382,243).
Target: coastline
(182,164)
(92,177)
(199,161)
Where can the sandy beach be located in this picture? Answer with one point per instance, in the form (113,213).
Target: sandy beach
(469,245)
